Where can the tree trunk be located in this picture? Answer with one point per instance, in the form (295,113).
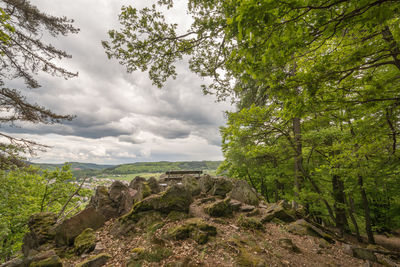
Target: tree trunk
(368,227)
(350,204)
(276,190)
(298,155)
(339,206)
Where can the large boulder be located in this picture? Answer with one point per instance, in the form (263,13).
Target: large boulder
(281,211)
(143,191)
(154,186)
(85,242)
(243,192)
(69,229)
(220,208)
(103,203)
(221,187)
(53,261)
(192,184)
(122,196)
(175,198)
(206,182)
(195,228)
(41,226)
(134,184)
(302,227)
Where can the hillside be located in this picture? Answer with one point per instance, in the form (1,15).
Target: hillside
(75,166)
(203,222)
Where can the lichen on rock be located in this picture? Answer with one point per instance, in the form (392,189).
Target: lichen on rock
(220,208)
(195,228)
(85,242)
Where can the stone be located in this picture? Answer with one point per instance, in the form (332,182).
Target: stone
(103,203)
(153,254)
(69,229)
(235,204)
(85,242)
(41,226)
(220,208)
(154,185)
(175,198)
(195,228)
(221,187)
(302,227)
(122,196)
(134,184)
(192,184)
(287,243)
(53,261)
(243,192)
(280,211)
(247,208)
(249,223)
(364,254)
(13,263)
(98,248)
(206,182)
(95,261)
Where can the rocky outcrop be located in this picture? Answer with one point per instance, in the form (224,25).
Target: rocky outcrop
(195,228)
(280,211)
(85,242)
(220,208)
(244,193)
(95,261)
(192,184)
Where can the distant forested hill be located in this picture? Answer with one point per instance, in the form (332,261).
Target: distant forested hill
(162,166)
(90,169)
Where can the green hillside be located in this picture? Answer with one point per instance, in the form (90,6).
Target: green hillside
(75,166)
(162,166)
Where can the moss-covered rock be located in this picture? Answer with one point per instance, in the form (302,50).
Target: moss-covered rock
(192,184)
(85,242)
(221,187)
(134,184)
(248,259)
(195,228)
(302,227)
(364,254)
(175,198)
(153,254)
(41,226)
(280,211)
(95,261)
(249,223)
(206,182)
(220,208)
(53,261)
(287,243)
(154,185)
(177,216)
(243,192)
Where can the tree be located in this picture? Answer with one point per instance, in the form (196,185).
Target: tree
(25,192)
(329,69)
(24,54)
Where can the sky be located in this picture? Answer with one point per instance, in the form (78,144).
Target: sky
(120,117)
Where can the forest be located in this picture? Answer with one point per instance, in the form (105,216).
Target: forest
(316,86)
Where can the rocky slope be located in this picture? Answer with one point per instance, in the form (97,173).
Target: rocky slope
(206,221)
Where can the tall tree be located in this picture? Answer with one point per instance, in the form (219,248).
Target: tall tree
(24,54)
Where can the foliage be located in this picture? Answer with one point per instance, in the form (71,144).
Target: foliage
(24,54)
(316,86)
(25,192)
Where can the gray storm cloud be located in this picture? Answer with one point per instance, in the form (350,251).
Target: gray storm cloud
(121,117)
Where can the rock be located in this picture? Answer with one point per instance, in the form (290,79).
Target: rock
(235,204)
(301,227)
(206,182)
(95,261)
(103,203)
(364,254)
(69,229)
(175,198)
(154,186)
(154,254)
(143,191)
(220,208)
(123,197)
(243,192)
(41,226)
(247,208)
(255,212)
(221,187)
(288,244)
(53,261)
(192,184)
(177,216)
(194,228)
(98,248)
(247,259)
(134,184)
(85,242)
(249,223)
(280,211)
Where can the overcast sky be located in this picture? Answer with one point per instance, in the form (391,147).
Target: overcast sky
(121,117)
